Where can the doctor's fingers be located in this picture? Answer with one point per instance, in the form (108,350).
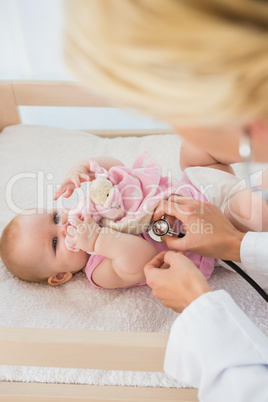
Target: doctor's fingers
(183,244)
(179,285)
(156,262)
(180,208)
(161,282)
(155,277)
(154,268)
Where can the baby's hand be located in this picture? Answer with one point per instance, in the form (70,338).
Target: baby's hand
(83,233)
(77,175)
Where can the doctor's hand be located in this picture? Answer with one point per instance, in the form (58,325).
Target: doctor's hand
(207,231)
(175,280)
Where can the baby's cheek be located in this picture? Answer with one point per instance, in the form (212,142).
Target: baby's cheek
(82,256)
(76,260)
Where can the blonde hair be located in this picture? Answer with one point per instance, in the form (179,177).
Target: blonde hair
(188,62)
(10,254)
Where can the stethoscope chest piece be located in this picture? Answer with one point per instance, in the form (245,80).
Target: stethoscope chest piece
(160,228)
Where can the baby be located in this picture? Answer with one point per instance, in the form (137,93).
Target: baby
(41,247)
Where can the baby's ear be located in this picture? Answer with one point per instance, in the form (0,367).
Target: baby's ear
(59,278)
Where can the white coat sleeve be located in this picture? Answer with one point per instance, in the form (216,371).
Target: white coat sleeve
(254,257)
(215,347)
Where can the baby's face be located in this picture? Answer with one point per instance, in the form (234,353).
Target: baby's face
(43,243)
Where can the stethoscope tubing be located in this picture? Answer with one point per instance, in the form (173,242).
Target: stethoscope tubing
(231,264)
(248,278)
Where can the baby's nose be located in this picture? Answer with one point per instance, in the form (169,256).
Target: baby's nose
(65,216)
(64,229)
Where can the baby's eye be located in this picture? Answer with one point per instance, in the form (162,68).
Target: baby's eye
(54,243)
(56,218)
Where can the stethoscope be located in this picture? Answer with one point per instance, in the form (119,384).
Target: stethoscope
(161,228)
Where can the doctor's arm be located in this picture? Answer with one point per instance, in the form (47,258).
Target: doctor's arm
(212,345)
(191,156)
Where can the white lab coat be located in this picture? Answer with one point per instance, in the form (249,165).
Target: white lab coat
(254,257)
(215,347)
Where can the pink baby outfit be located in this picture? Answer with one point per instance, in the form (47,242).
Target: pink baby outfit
(135,194)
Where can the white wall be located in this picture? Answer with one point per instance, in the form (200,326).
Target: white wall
(30,49)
